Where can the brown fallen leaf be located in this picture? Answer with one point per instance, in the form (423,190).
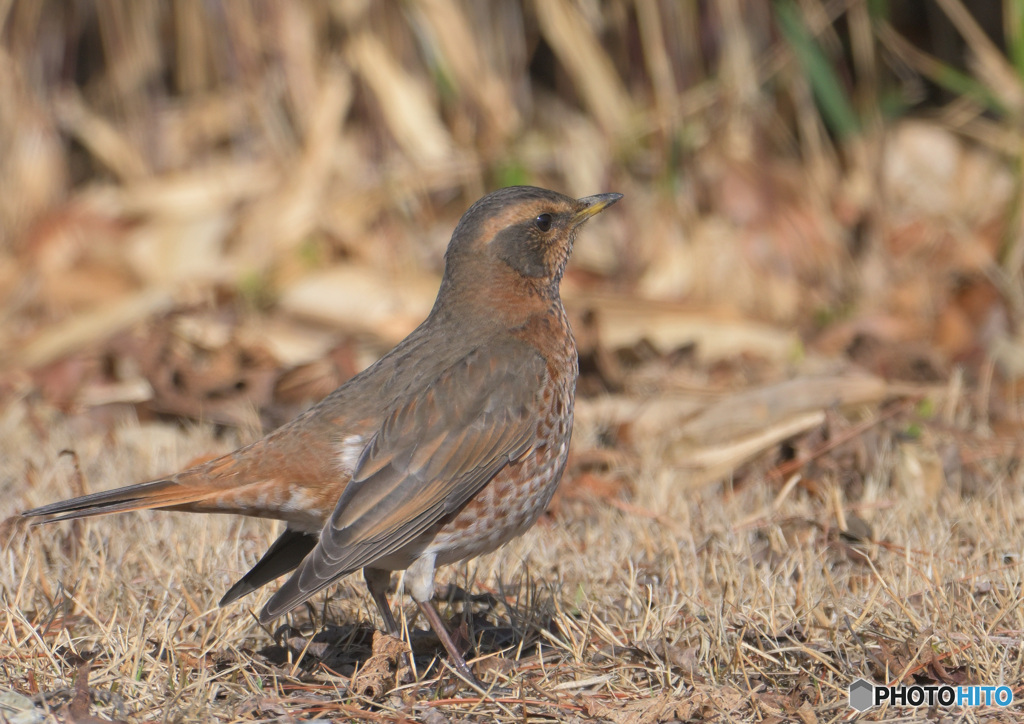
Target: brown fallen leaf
(625,320)
(77,710)
(642,711)
(383,670)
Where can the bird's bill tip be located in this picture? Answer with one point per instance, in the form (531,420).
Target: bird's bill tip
(594,205)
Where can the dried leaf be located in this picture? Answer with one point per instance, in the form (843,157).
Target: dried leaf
(383,670)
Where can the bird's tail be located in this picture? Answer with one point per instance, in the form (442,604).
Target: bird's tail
(169,493)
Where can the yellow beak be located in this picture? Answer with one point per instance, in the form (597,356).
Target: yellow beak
(593,205)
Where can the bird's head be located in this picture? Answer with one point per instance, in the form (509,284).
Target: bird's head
(520,236)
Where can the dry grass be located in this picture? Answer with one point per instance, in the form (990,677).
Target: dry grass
(732,604)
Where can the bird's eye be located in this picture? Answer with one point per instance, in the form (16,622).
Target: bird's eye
(543,222)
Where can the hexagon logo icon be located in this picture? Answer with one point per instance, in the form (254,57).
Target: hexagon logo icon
(862,695)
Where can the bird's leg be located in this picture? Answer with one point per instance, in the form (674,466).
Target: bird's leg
(377,583)
(419,581)
(434,618)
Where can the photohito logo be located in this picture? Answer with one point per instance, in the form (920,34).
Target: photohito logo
(864,695)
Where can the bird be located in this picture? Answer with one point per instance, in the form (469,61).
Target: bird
(447,447)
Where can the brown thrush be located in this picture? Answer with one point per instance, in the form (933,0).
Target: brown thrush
(446,448)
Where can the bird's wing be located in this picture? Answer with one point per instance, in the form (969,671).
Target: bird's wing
(430,456)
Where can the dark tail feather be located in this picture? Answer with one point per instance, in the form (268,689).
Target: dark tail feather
(155,494)
(283,556)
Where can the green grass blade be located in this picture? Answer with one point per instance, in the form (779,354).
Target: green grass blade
(828,90)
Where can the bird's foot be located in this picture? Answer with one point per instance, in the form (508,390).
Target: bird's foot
(459,681)
(458,665)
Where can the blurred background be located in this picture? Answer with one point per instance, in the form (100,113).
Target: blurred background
(220,211)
